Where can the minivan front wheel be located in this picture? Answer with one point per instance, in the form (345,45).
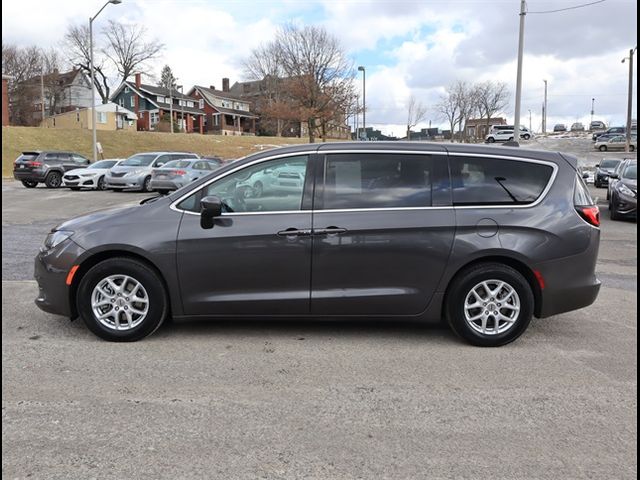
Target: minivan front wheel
(489,305)
(122,300)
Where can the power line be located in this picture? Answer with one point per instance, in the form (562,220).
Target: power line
(568,8)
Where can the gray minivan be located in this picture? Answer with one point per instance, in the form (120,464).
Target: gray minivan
(482,237)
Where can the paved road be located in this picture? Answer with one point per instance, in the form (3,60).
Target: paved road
(312,400)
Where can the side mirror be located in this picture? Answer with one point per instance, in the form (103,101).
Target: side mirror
(615,176)
(585,175)
(597,165)
(210,208)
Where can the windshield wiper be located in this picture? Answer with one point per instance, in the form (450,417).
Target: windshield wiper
(502,179)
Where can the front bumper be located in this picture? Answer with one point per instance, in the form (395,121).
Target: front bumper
(126,182)
(50,271)
(87,182)
(625,205)
(602,179)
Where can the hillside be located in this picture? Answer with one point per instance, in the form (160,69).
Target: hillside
(119,144)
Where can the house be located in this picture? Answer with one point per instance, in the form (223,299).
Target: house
(478,128)
(225,113)
(109,116)
(63,92)
(153,105)
(5,99)
(425,134)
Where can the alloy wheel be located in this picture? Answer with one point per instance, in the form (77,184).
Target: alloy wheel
(492,307)
(120,302)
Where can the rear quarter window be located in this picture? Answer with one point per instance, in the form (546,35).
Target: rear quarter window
(494,181)
(581,195)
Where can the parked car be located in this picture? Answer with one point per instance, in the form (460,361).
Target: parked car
(525,133)
(603,170)
(624,193)
(178,173)
(501,136)
(90,177)
(212,158)
(597,125)
(286,178)
(135,172)
(559,127)
(615,131)
(616,173)
(423,231)
(616,143)
(46,167)
(577,127)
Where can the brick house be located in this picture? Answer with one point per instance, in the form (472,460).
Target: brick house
(153,104)
(477,127)
(225,113)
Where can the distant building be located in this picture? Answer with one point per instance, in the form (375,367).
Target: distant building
(152,105)
(372,135)
(109,116)
(478,128)
(425,134)
(225,113)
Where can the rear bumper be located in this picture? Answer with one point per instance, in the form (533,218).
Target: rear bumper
(31,175)
(166,184)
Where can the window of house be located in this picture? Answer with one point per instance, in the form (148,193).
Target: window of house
(121,101)
(494,181)
(161,99)
(190,104)
(377,180)
(154,118)
(102,117)
(132,101)
(126,89)
(216,120)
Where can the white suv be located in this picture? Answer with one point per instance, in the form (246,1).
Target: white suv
(502,136)
(525,133)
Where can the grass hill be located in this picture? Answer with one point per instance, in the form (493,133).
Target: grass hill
(119,144)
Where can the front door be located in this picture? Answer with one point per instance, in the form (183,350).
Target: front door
(382,233)
(256,260)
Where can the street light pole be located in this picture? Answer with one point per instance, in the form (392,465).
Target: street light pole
(629,98)
(364,101)
(593,101)
(183,125)
(544,109)
(93,81)
(516,121)
(530,129)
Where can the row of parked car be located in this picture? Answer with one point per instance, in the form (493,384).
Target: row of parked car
(620,177)
(149,171)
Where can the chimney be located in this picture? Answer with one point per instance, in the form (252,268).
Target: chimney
(225,84)
(212,87)
(138,82)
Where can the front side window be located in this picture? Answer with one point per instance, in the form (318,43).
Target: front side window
(140,160)
(271,186)
(631,172)
(374,180)
(493,181)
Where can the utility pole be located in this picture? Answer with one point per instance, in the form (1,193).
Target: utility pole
(516,121)
(629,98)
(42,94)
(530,129)
(593,101)
(544,109)
(357,119)
(183,124)
(364,102)
(171,106)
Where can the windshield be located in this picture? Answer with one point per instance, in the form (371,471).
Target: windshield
(177,164)
(609,163)
(103,164)
(142,160)
(631,172)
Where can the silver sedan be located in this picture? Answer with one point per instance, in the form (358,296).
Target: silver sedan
(178,173)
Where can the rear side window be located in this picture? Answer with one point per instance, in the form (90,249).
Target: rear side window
(494,181)
(581,195)
(375,180)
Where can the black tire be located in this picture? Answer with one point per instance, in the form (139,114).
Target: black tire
(613,214)
(53,180)
(146,185)
(602,148)
(102,185)
(631,148)
(163,191)
(75,189)
(491,140)
(526,136)
(510,139)
(462,285)
(30,183)
(146,276)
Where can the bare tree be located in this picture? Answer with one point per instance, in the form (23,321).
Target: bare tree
(492,98)
(317,72)
(467,99)
(415,114)
(449,108)
(128,48)
(76,47)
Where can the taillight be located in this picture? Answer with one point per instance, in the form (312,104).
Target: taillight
(180,172)
(590,214)
(35,164)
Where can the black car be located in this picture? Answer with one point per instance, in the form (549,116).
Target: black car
(46,167)
(603,170)
(560,127)
(624,193)
(484,238)
(610,133)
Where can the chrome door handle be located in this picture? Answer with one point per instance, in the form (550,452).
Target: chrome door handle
(294,232)
(329,231)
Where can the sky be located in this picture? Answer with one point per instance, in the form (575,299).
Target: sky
(408,47)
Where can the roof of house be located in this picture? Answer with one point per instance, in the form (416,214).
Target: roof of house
(150,92)
(178,108)
(239,113)
(62,79)
(208,93)
(155,90)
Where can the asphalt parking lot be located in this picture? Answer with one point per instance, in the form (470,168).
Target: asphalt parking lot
(312,400)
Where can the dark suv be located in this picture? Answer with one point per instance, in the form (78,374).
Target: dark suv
(611,132)
(603,170)
(483,237)
(47,167)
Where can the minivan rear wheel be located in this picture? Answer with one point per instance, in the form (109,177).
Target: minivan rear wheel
(489,305)
(122,300)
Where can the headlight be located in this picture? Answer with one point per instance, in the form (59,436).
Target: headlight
(56,238)
(626,190)
(133,172)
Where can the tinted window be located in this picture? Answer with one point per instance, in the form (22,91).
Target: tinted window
(103,164)
(177,164)
(377,181)
(143,160)
(492,181)
(581,195)
(162,159)
(79,159)
(631,172)
(52,156)
(276,185)
(609,163)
